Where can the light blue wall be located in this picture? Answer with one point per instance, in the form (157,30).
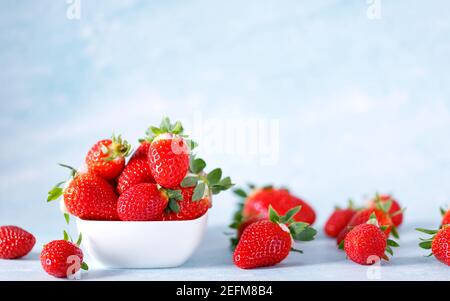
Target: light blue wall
(363,105)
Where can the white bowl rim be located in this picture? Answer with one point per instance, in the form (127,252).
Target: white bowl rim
(142,222)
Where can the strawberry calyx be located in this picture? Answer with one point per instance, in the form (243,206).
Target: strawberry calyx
(166,127)
(385,206)
(174,197)
(300,231)
(84,266)
(443,211)
(390,243)
(119,148)
(212,182)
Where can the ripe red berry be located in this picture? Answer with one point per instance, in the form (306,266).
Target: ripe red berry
(445,217)
(107,157)
(439,243)
(142,202)
(61,258)
(338,220)
(15,242)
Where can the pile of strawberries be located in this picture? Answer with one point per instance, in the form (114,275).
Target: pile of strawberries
(364,232)
(263,237)
(163,180)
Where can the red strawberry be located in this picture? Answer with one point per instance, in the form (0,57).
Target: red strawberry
(142,202)
(15,242)
(338,220)
(107,157)
(168,154)
(87,196)
(366,244)
(187,209)
(361,217)
(242,226)
(395,211)
(439,243)
(445,217)
(62,258)
(137,170)
(268,242)
(258,202)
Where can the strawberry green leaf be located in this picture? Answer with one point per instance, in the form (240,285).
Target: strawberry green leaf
(226,182)
(431,232)
(197,165)
(199,191)
(426,245)
(240,192)
(341,245)
(191,144)
(189,181)
(297,227)
(67,236)
(177,128)
(84,266)
(251,186)
(55,193)
(394,232)
(67,218)
(73,171)
(392,243)
(165,125)
(173,206)
(214,176)
(389,251)
(273,215)
(287,218)
(443,211)
(306,235)
(296,250)
(80,238)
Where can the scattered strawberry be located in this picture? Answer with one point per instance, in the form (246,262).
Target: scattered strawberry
(15,242)
(168,153)
(256,204)
(445,217)
(268,242)
(58,257)
(439,243)
(144,202)
(395,211)
(137,170)
(186,208)
(367,243)
(339,219)
(107,157)
(87,196)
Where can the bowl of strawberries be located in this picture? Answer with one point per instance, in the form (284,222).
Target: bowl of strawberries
(150,211)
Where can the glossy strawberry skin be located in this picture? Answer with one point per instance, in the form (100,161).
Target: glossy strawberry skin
(169,161)
(137,170)
(189,210)
(446,218)
(257,205)
(441,245)
(242,226)
(15,242)
(361,217)
(262,244)
(142,202)
(365,244)
(338,220)
(90,197)
(97,164)
(55,255)
(397,220)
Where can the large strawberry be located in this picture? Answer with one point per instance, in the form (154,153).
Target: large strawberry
(439,243)
(107,157)
(168,153)
(268,242)
(62,258)
(15,242)
(256,204)
(87,196)
(145,202)
(395,210)
(339,219)
(367,243)
(137,170)
(445,217)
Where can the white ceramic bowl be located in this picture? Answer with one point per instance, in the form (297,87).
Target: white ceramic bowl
(139,245)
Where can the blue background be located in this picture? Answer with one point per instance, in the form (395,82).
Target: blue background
(363,105)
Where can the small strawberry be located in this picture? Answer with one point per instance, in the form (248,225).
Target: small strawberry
(367,243)
(107,157)
(137,170)
(268,242)
(186,208)
(445,217)
(87,196)
(15,242)
(395,211)
(168,153)
(439,243)
(256,204)
(145,202)
(361,217)
(339,219)
(62,258)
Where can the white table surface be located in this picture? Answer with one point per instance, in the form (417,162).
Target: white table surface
(320,261)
